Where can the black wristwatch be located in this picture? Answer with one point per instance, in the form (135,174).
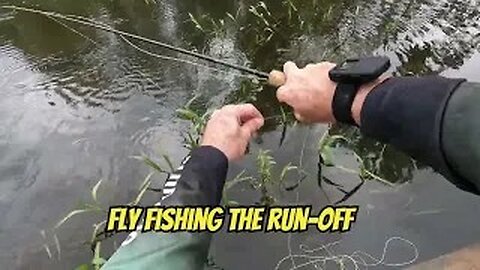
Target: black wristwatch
(349,76)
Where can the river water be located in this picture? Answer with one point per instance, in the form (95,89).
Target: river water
(77,104)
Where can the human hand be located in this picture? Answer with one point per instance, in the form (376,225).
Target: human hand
(230,129)
(309,91)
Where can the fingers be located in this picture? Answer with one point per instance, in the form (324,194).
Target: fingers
(248,117)
(251,120)
(250,128)
(286,95)
(289,68)
(246,112)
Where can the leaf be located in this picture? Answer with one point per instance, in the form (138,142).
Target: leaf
(327,156)
(99,261)
(95,190)
(290,3)
(333,139)
(285,170)
(96,228)
(290,188)
(232,203)
(239,178)
(57,246)
(262,4)
(187,114)
(153,165)
(143,188)
(71,214)
(197,24)
(190,102)
(83,267)
(231,17)
(47,249)
(169,162)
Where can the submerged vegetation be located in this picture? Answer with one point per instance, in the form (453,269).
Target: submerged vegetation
(264,178)
(268,33)
(265,162)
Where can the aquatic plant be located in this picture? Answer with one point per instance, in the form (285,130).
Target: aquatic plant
(98,234)
(263,24)
(197,121)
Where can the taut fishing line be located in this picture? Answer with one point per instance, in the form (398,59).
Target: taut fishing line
(94,24)
(156,55)
(124,36)
(164,57)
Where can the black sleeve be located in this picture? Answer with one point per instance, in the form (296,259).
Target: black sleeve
(199,180)
(408,113)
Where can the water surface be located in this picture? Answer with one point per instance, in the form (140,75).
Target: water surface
(75,109)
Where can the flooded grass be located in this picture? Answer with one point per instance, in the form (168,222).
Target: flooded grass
(264,35)
(264,177)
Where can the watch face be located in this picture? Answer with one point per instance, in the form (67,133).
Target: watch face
(348,64)
(358,71)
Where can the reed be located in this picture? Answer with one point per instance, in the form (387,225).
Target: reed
(265,26)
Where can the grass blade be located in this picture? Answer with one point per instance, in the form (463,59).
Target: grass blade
(95,190)
(70,215)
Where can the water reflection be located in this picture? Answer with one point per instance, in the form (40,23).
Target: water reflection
(114,101)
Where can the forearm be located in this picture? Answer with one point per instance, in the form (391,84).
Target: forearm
(461,132)
(409,114)
(198,181)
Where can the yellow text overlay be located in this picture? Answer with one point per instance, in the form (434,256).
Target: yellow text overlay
(240,219)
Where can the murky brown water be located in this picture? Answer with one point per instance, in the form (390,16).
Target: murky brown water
(74,111)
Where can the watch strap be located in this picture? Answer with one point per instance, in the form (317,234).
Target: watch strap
(342,102)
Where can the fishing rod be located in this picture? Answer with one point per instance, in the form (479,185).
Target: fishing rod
(275,78)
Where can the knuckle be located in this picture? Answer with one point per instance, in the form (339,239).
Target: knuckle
(249,106)
(288,63)
(228,107)
(215,114)
(327,65)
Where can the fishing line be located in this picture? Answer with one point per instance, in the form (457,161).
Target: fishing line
(160,56)
(136,47)
(92,23)
(83,21)
(357,258)
(73,30)
(300,162)
(164,57)
(95,43)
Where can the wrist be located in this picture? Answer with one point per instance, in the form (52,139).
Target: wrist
(362,94)
(215,148)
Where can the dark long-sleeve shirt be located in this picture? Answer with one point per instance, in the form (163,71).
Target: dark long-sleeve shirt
(434,119)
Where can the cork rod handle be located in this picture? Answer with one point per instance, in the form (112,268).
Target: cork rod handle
(276,78)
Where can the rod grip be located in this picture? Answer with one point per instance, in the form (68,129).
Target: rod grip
(276,78)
